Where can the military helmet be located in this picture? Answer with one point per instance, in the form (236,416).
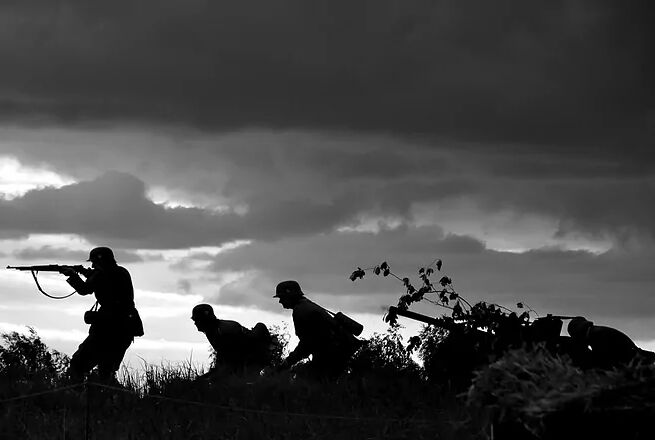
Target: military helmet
(101,253)
(202,311)
(579,326)
(289,289)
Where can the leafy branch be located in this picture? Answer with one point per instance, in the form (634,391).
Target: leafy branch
(444,290)
(482,315)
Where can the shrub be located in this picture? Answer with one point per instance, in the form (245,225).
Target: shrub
(26,359)
(280,338)
(384,355)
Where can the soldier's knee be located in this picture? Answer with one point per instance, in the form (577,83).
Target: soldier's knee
(78,363)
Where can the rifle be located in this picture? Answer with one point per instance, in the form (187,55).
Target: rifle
(50,268)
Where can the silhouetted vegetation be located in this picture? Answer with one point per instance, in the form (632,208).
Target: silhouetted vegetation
(168,402)
(483,371)
(25,361)
(522,379)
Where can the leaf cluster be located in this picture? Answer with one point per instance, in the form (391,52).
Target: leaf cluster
(441,292)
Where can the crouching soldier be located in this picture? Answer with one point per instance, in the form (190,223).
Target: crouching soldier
(601,346)
(320,335)
(238,349)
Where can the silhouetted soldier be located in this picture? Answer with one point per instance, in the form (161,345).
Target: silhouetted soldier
(114,319)
(237,347)
(319,334)
(600,346)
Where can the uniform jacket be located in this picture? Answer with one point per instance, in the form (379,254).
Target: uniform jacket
(318,333)
(114,292)
(610,345)
(236,344)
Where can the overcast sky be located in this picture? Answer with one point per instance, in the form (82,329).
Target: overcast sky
(221,147)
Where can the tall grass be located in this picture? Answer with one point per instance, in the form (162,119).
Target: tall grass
(168,401)
(528,392)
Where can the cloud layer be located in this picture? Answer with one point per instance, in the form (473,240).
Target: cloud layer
(337,135)
(550,278)
(505,71)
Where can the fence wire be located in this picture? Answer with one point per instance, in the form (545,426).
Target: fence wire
(216,406)
(38,394)
(263,411)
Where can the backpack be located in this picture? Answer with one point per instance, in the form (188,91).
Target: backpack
(261,334)
(347,330)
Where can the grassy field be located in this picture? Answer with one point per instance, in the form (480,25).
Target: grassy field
(170,404)
(390,400)
(526,393)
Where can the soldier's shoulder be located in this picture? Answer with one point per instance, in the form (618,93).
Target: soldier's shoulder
(305,304)
(228,324)
(307,308)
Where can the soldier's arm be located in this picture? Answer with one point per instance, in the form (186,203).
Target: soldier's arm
(86,272)
(301,352)
(304,347)
(310,330)
(82,287)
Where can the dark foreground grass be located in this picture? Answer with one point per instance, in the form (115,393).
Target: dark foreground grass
(527,393)
(166,403)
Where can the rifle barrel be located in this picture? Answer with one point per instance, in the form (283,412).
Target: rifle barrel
(51,267)
(414,316)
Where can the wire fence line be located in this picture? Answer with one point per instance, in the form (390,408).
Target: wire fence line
(263,411)
(37,394)
(85,385)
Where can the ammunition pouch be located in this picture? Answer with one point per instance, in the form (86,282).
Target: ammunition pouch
(135,324)
(129,322)
(90,317)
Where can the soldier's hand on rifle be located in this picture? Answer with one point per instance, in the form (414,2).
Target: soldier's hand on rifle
(68,272)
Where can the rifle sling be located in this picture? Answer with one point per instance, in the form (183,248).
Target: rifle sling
(45,293)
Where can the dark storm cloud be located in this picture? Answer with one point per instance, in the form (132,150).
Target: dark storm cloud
(533,72)
(114,209)
(611,286)
(621,208)
(608,195)
(58,254)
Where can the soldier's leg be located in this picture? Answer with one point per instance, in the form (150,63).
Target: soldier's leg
(114,351)
(85,358)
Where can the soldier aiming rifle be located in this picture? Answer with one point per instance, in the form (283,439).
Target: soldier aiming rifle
(113,318)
